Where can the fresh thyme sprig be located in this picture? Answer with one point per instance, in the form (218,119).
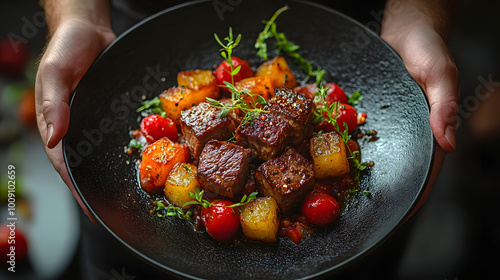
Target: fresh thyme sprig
(171,211)
(227,50)
(260,43)
(198,196)
(288,47)
(237,96)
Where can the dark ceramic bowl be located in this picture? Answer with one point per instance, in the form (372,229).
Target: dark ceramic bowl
(145,60)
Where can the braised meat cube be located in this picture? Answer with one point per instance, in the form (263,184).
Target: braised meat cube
(295,108)
(202,123)
(223,168)
(287,179)
(266,135)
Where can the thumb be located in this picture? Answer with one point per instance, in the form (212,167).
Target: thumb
(54,104)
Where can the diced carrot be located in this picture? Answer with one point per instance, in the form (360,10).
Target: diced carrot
(158,159)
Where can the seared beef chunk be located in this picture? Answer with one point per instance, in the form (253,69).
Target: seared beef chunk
(223,168)
(236,115)
(295,108)
(266,135)
(202,123)
(286,178)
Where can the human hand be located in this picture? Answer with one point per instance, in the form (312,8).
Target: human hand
(421,44)
(73,47)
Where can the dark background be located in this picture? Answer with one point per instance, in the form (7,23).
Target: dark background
(456,233)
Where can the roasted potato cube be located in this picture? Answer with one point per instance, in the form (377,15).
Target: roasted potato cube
(194,89)
(278,71)
(158,159)
(256,86)
(260,219)
(329,155)
(180,182)
(195,79)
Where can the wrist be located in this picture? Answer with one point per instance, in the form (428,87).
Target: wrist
(412,15)
(94,12)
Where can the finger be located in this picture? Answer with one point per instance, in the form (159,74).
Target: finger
(55,91)
(442,91)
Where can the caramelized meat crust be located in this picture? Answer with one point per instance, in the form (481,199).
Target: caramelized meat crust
(286,178)
(266,135)
(202,123)
(223,168)
(295,108)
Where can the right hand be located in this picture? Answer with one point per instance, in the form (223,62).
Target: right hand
(75,44)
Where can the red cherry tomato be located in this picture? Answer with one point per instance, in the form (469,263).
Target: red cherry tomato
(308,91)
(223,72)
(222,222)
(12,243)
(347,114)
(155,127)
(335,93)
(320,209)
(14,57)
(294,234)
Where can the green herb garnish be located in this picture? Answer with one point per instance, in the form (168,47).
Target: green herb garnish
(354,98)
(286,46)
(170,211)
(152,106)
(237,96)
(134,144)
(198,196)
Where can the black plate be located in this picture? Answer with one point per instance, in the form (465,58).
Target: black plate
(145,60)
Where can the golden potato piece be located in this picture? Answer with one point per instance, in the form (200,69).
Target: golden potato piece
(180,182)
(256,86)
(260,219)
(329,155)
(195,79)
(278,71)
(177,99)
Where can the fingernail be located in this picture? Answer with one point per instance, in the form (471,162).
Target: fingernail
(449,134)
(50,132)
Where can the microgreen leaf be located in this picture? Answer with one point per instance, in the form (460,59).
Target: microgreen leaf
(354,98)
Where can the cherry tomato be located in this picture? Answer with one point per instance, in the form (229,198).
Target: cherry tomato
(335,93)
(347,114)
(308,91)
(320,209)
(222,222)
(293,233)
(223,72)
(14,57)
(155,127)
(11,237)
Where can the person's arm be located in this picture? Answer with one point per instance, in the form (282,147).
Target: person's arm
(78,32)
(418,31)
